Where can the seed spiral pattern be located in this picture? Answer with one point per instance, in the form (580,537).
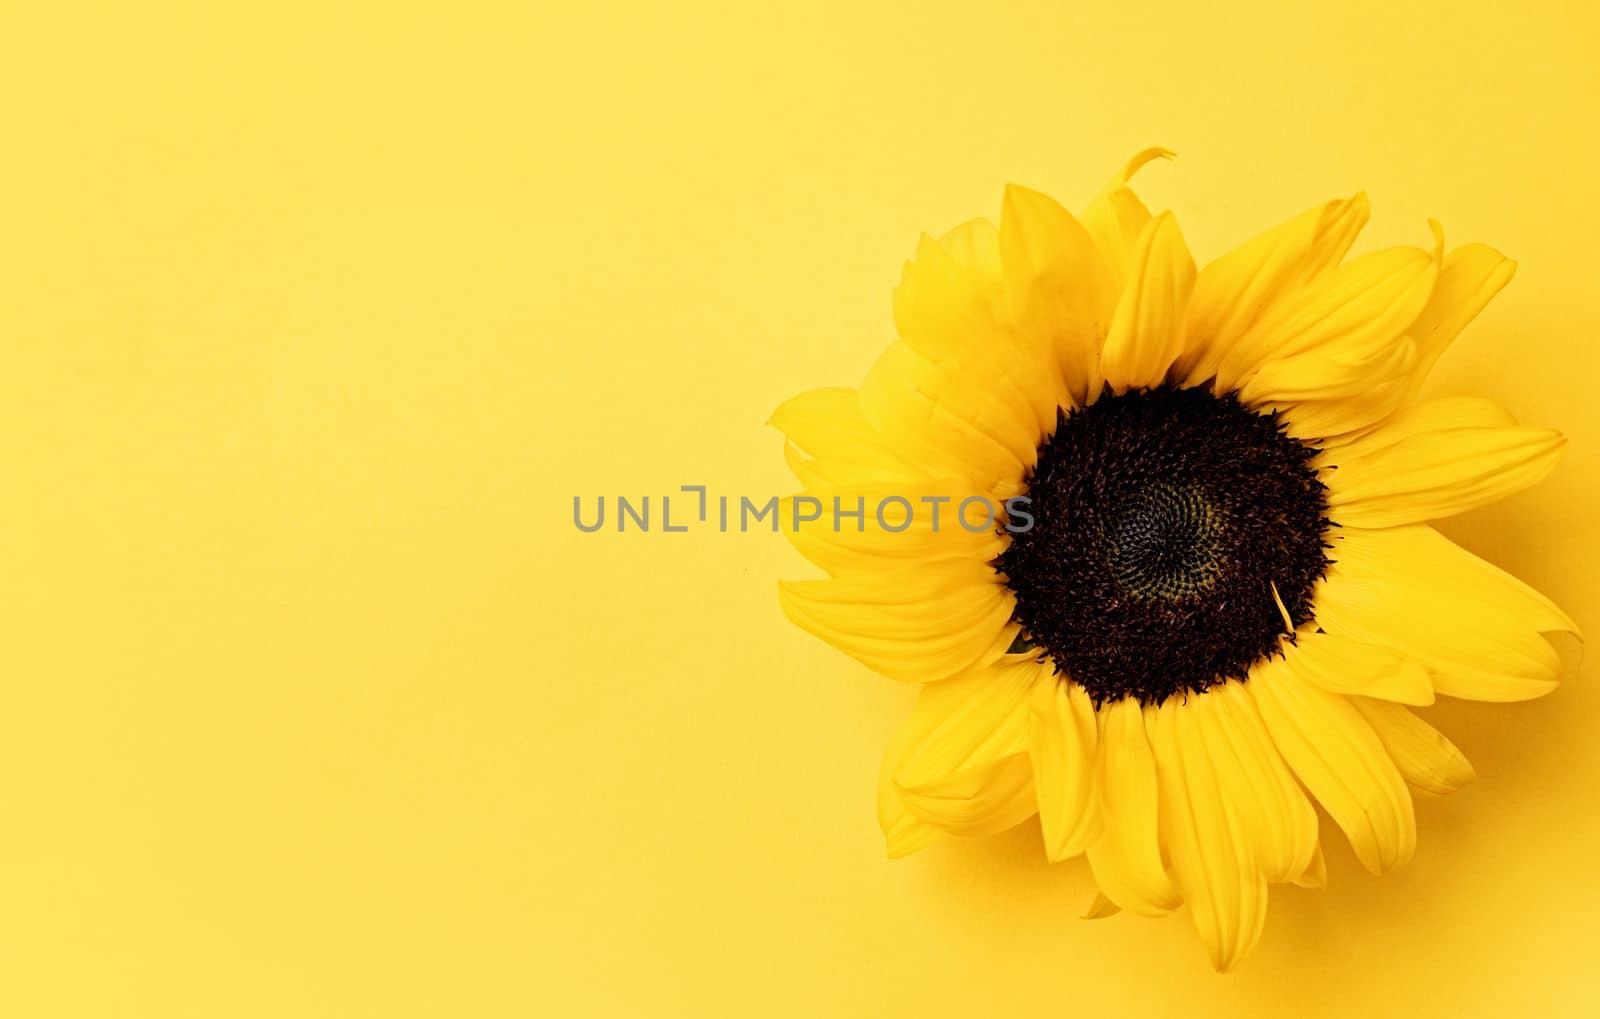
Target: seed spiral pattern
(1164,543)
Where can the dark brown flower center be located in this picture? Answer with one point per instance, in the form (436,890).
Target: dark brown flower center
(1163,521)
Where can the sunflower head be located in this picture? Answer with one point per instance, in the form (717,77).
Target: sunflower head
(1205,592)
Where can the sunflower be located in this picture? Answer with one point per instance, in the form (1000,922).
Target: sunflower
(1210,594)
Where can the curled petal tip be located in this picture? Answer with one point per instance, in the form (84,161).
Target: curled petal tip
(1438,239)
(1138,162)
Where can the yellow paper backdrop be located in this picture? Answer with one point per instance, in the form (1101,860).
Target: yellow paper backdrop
(313,319)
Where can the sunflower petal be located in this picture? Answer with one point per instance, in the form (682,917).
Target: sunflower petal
(827,425)
(1058,287)
(904,833)
(1126,858)
(1340,760)
(890,524)
(1062,733)
(1425,758)
(1474,627)
(964,769)
(965,729)
(920,624)
(1316,873)
(949,309)
(1341,665)
(968,721)
(1430,416)
(1212,860)
(979,801)
(1357,374)
(948,419)
(1146,332)
(1345,315)
(975,245)
(1468,280)
(944,305)
(1335,391)
(1438,472)
(1116,218)
(1233,292)
(1279,823)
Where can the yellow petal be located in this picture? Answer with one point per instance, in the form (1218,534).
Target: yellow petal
(1212,861)
(945,304)
(922,623)
(963,767)
(1126,858)
(1059,291)
(951,420)
(970,720)
(827,424)
(1470,277)
(1327,374)
(904,833)
(979,801)
(1316,874)
(1138,161)
(1335,390)
(975,245)
(1116,218)
(1475,628)
(1146,333)
(1429,473)
(1351,370)
(1341,665)
(1340,760)
(1100,908)
(1062,733)
(1348,313)
(1234,291)
(948,309)
(1429,416)
(1425,758)
(1278,821)
(892,524)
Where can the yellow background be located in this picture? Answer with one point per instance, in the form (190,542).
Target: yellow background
(314,321)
